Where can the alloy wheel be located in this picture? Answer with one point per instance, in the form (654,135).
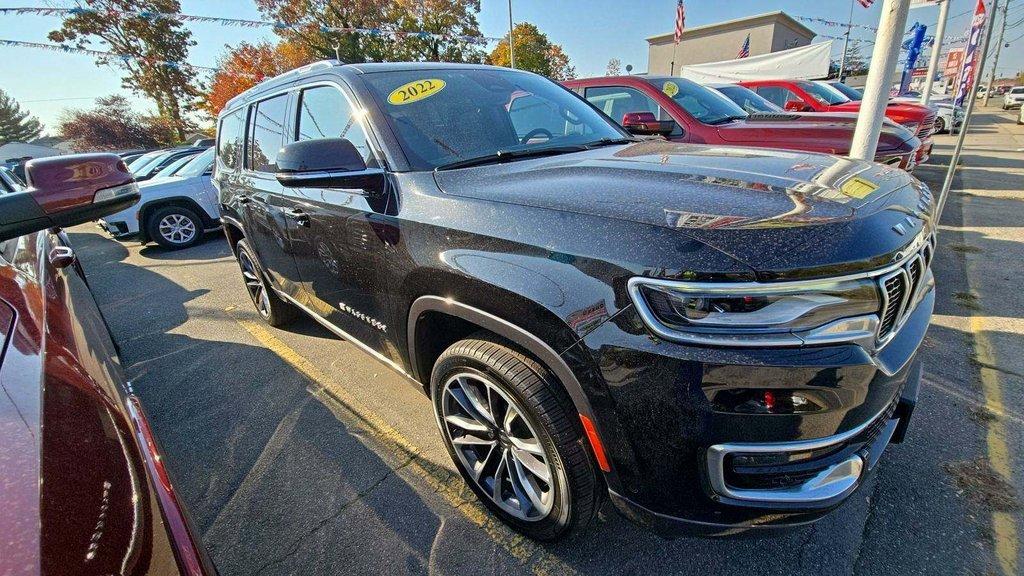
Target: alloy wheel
(254,284)
(177,229)
(498,446)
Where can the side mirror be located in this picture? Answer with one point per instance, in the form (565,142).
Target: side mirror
(797,106)
(327,163)
(644,123)
(65,191)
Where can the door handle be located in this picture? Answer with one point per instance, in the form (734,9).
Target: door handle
(301,218)
(61,257)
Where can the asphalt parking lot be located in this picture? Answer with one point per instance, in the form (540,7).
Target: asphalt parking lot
(298,454)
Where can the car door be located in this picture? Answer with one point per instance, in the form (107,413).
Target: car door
(268,203)
(342,239)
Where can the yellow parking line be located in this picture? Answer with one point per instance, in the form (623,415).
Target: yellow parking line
(449,485)
(1003,523)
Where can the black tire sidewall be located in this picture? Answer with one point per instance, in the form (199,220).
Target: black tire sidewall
(153,226)
(559,519)
(280,312)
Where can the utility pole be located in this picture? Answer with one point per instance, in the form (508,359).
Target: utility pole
(995,60)
(933,64)
(846,43)
(970,99)
(511,42)
(876,91)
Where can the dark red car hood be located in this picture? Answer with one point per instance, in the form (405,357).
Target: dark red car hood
(826,132)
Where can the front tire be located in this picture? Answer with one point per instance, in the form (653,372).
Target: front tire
(514,437)
(940,126)
(269,305)
(175,227)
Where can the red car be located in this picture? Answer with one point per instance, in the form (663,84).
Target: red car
(83,487)
(685,111)
(807,96)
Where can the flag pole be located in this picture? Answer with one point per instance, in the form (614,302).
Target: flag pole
(511,41)
(846,43)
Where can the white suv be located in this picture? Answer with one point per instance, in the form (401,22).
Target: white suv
(175,211)
(1013,98)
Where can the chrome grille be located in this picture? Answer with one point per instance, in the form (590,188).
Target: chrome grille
(927,127)
(899,288)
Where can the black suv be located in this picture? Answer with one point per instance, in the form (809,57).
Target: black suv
(719,338)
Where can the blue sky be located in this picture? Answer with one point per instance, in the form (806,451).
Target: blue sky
(591,31)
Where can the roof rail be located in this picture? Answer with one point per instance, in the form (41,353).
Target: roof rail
(284,77)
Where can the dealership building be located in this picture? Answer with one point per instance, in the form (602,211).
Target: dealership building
(769,32)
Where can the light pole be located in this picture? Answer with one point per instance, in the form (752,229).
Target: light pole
(846,43)
(995,60)
(933,64)
(511,42)
(876,91)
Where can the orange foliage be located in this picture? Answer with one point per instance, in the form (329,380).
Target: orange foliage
(243,67)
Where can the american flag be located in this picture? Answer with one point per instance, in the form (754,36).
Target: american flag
(680,19)
(745,49)
(866,3)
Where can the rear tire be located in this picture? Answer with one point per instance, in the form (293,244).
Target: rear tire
(940,126)
(269,305)
(174,227)
(515,438)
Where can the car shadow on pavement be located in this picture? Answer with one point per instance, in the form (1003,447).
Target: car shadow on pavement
(214,245)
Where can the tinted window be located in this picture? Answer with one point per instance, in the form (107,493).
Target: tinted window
(704,104)
(748,99)
(266,133)
(849,92)
(444,116)
(324,112)
(778,95)
(229,140)
(823,94)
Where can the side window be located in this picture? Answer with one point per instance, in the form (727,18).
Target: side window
(229,140)
(324,112)
(266,133)
(537,117)
(616,101)
(778,95)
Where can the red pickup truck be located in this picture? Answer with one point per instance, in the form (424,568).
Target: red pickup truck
(807,96)
(685,111)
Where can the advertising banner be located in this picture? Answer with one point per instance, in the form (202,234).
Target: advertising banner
(972,55)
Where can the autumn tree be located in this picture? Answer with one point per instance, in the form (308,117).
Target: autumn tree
(145,44)
(15,124)
(533,52)
(313,24)
(614,67)
(113,125)
(245,66)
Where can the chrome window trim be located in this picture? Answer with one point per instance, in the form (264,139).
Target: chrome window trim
(634,284)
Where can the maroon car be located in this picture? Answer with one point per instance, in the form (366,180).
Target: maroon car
(685,111)
(83,487)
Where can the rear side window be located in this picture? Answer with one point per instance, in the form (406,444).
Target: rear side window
(324,112)
(229,140)
(266,133)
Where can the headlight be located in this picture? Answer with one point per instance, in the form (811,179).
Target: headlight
(739,314)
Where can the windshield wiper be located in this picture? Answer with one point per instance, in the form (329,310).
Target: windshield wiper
(509,155)
(610,142)
(725,119)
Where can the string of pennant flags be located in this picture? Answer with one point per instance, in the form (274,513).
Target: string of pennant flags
(115,56)
(381,32)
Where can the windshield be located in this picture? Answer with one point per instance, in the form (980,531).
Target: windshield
(823,94)
(172,168)
(849,92)
(145,159)
(704,104)
(749,100)
(444,116)
(197,165)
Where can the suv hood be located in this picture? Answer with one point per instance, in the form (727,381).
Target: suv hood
(828,132)
(784,214)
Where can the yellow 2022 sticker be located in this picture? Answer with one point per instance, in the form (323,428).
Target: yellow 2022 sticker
(670,88)
(415,91)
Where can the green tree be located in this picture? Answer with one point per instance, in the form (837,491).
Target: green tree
(146,43)
(533,52)
(16,125)
(454,19)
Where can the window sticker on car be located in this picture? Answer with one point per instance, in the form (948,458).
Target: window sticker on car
(670,88)
(415,91)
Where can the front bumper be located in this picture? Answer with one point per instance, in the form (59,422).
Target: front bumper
(676,448)
(925,151)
